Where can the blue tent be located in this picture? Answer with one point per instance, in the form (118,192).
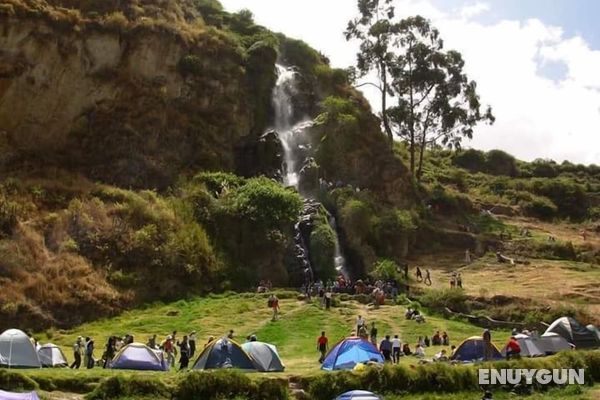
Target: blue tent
(358,395)
(139,357)
(472,349)
(349,352)
(225,353)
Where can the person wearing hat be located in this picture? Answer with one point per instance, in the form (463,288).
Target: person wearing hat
(77,352)
(192,343)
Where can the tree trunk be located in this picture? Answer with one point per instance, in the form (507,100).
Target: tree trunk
(421,156)
(384,117)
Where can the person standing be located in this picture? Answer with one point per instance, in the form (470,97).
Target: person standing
(373,334)
(89,354)
(487,345)
(360,323)
(169,349)
(192,341)
(152,342)
(78,350)
(385,347)
(396,348)
(109,352)
(184,358)
(468,258)
(427,279)
(419,275)
(328,299)
(322,346)
(275,306)
(459,281)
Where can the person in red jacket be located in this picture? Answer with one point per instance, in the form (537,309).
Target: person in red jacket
(513,350)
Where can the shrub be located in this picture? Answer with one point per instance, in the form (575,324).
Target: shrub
(322,250)
(539,207)
(129,386)
(10,380)
(8,216)
(455,299)
(499,162)
(471,159)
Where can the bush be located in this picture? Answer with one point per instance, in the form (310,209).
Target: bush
(471,159)
(129,386)
(8,216)
(322,250)
(225,385)
(539,207)
(499,162)
(10,380)
(455,299)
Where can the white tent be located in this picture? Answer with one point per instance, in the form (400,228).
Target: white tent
(265,356)
(531,346)
(553,343)
(17,351)
(51,356)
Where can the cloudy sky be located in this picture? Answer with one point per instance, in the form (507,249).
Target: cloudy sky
(537,62)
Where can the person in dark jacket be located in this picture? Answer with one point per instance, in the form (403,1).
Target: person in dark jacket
(385,347)
(109,353)
(184,347)
(89,354)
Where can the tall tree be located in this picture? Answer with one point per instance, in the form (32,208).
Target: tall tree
(436,103)
(376,33)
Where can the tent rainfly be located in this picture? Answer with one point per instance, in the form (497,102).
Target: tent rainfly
(138,357)
(349,352)
(472,350)
(51,356)
(553,343)
(225,353)
(574,333)
(265,356)
(358,395)
(17,351)
(18,396)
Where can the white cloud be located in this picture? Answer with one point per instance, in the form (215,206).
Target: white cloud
(474,10)
(536,116)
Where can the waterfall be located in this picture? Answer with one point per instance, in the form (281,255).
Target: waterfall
(293,133)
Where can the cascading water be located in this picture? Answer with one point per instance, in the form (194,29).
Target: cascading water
(293,132)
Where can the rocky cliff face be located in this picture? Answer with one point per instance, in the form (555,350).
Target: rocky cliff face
(129,104)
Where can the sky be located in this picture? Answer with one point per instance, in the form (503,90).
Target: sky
(536,62)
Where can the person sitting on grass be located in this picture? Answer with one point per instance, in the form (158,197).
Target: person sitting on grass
(445,339)
(406,349)
(419,351)
(441,356)
(513,349)
(436,339)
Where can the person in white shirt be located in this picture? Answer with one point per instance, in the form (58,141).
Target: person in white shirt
(419,352)
(441,356)
(360,323)
(396,349)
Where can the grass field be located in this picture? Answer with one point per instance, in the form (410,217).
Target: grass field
(294,334)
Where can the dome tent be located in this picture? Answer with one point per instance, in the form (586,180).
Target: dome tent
(138,357)
(265,356)
(553,343)
(531,346)
(51,356)
(358,395)
(18,396)
(17,351)
(349,352)
(225,353)
(472,349)
(574,333)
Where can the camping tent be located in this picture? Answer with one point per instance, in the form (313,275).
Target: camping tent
(52,356)
(531,346)
(224,353)
(358,395)
(472,349)
(594,329)
(18,396)
(137,356)
(575,333)
(17,351)
(349,352)
(553,343)
(265,356)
